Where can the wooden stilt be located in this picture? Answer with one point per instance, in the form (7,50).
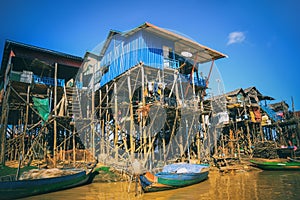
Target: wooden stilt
(25,121)
(116,135)
(131,131)
(74,145)
(4,118)
(55,115)
(93,113)
(248,137)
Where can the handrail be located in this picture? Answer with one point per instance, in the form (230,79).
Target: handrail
(48,81)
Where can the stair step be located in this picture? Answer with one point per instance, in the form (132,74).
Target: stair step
(74,106)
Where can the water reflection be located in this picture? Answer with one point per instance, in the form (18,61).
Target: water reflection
(242,186)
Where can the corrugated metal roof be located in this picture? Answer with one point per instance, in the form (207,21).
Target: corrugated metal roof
(200,53)
(10,42)
(204,54)
(15,46)
(235,92)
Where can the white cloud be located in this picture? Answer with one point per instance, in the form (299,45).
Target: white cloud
(236,37)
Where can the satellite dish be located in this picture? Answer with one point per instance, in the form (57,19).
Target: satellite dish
(186,54)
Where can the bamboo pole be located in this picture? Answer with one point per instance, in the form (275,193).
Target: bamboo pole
(55,114)
(107,120)
(215,141)
(203,125)
(101,123)
(142,133)
(65,149)
(261,132)
(74,146)
(4,118)
(131,131)
(248,136)
(116,120)
(93,113)
(102,138)
(26,122)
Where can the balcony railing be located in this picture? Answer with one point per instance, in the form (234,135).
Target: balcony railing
(174,64)
(198,82)
(48,81)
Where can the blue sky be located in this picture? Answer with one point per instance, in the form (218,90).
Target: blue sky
(260,37)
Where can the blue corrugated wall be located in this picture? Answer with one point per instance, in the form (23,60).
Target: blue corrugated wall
(126,52)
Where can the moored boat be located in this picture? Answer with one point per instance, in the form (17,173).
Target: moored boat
(276,164)
(174,176)
(294,159)
(24,188)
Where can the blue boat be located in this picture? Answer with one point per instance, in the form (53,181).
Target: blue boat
(24,188)
(174,176)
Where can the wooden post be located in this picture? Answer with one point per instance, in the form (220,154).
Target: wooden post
(101,123)
(223,146)
(107,116)
(116,120)
(248,137)
(65,145)
(215,141)
(144,115)
(74,146)
(26,122)
(199,132)
(45,146)
(230,143)
(55,114)
(131,131)
(93,113)
(4,118)
(238,143)
(102,144)
(261,132)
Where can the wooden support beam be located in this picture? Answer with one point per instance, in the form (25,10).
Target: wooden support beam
(55,115)
(248,136)
(131,131)
(107,118)
(93,113)
(26,120)
(116,120)
(30,105)
(3,126)
(74,146)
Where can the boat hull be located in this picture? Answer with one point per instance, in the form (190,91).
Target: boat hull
(166,181)
(25,188)
(181,180)
(270,165)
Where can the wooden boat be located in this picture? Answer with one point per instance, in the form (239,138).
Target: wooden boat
(24,188)
(174,176)
(294,159)
(276,165)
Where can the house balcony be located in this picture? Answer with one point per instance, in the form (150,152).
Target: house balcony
(28,77)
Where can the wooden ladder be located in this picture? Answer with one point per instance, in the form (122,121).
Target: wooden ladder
(73,102)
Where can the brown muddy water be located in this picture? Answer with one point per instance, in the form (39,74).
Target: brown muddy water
(241,186)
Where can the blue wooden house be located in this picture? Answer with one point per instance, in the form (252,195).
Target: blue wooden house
(155,47)
(141,81)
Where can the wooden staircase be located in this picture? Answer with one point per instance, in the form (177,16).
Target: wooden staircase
(73,102)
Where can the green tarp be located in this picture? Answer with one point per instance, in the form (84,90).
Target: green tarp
(42,106)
